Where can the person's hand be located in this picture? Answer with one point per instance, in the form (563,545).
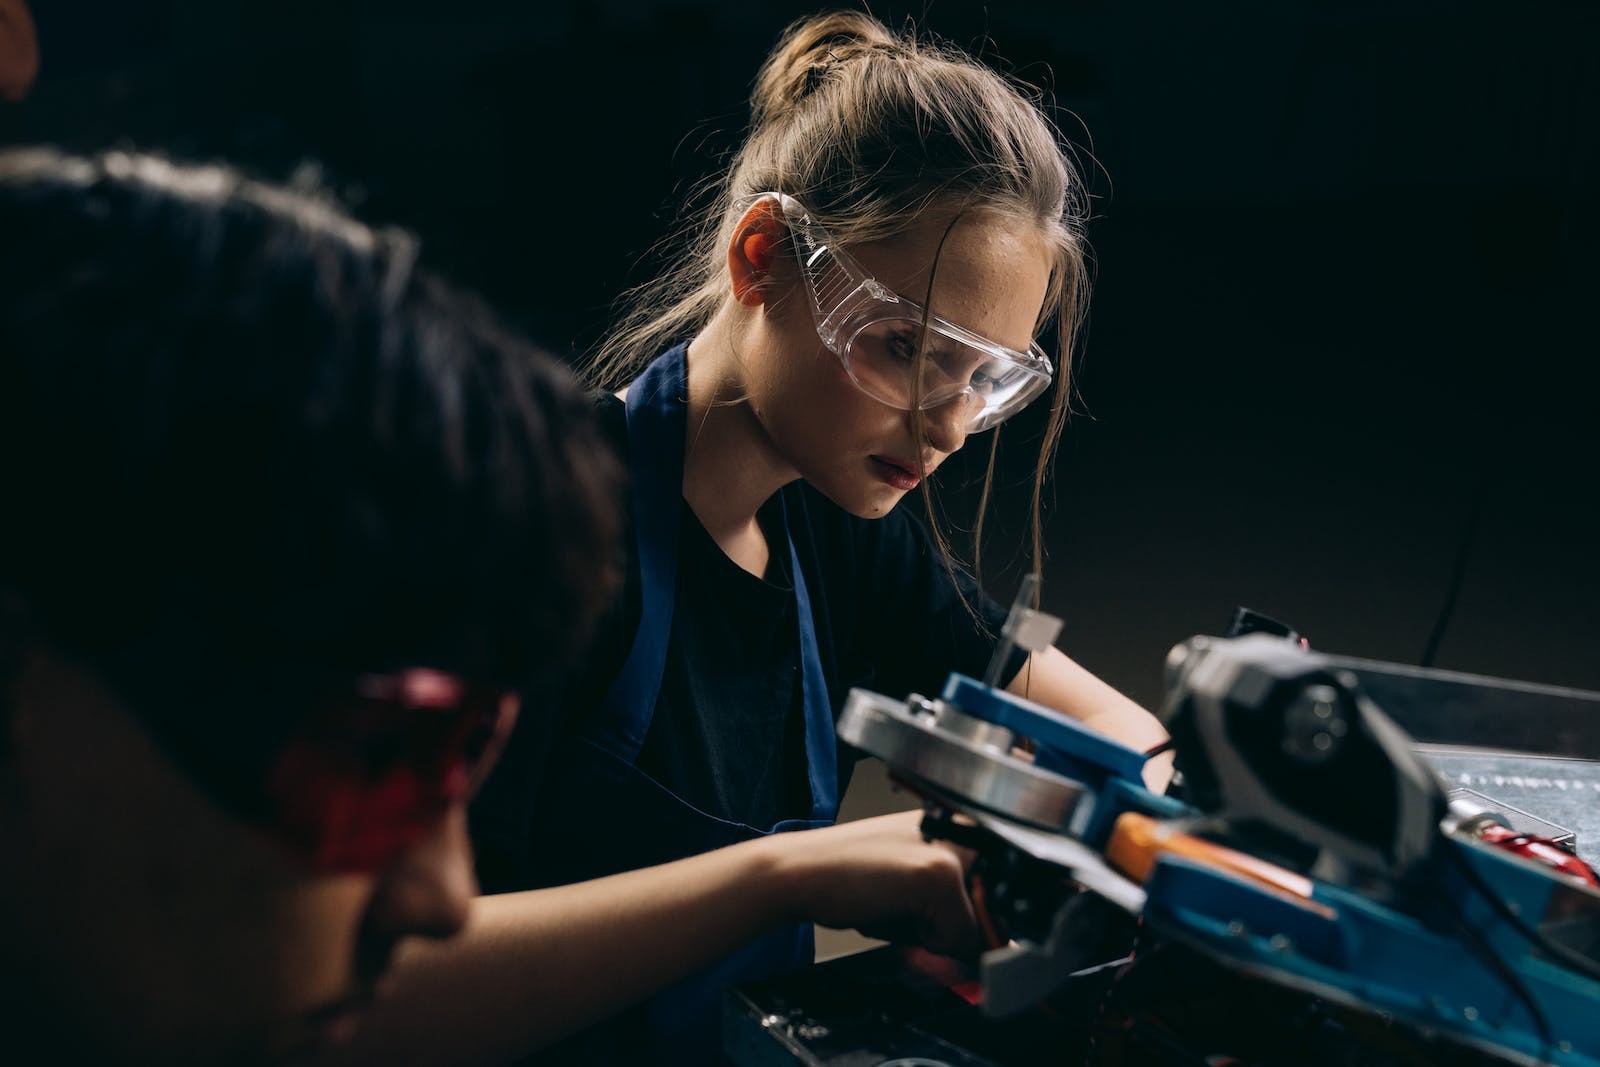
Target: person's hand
(19,50)
(879,876)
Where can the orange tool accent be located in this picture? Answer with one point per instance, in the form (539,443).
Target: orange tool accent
(1137,841)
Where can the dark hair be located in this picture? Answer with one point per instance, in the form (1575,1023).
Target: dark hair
(243,439)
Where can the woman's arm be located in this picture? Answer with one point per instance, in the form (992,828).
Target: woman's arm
(534,966)
(1052,679)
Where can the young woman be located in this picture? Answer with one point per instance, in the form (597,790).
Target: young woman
(894,234)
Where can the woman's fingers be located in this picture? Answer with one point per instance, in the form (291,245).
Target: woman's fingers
(951,925)
(880,876)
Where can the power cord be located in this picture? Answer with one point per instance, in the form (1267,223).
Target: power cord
(1458,572)
(1570,958)
(1481,947)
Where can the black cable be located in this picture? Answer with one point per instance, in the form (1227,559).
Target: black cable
(1458,571)
(1571,958)
(1481,947)
(1091,1048)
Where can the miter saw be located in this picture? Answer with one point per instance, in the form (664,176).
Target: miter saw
(1312,892)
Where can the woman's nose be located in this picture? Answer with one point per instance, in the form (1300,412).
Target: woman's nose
(428,892)
(946,424)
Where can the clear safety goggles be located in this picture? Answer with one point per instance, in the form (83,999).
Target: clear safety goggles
(875,333)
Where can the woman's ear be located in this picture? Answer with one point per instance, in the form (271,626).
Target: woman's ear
(755,244)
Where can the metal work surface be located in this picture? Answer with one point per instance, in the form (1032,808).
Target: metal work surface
(1563,791)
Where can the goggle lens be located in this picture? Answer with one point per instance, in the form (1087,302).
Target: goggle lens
(373,774)
(881,358)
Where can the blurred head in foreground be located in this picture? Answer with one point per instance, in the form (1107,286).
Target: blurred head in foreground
(288,523)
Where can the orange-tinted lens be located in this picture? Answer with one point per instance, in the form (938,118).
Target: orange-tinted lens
(370,777)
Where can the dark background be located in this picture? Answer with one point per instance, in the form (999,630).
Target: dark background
(1343,326)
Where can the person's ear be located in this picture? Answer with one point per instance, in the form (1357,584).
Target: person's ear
(757,241)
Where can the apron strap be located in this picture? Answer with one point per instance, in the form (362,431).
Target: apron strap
(657,426)
(657,406)
(822,752)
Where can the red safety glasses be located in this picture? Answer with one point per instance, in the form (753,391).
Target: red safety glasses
(373,771)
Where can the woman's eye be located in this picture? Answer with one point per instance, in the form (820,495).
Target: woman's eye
(983,383)
(903,347)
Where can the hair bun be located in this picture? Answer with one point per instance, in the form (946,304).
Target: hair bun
(808,52)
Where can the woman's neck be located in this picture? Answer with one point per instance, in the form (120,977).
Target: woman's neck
(731,466)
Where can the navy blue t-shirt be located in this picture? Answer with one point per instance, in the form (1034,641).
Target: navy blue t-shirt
(727,734)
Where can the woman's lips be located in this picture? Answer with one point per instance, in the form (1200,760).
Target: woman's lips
(894,473)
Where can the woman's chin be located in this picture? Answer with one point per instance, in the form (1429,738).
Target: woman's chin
(870,502)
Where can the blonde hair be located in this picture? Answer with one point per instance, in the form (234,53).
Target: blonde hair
(872,131)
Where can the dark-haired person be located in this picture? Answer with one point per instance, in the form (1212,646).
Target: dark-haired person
(898,227)
(19,50)
(289,526)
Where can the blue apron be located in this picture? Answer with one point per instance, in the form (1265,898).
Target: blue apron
(607,793)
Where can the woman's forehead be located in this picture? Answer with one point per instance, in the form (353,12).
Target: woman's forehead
(993,272)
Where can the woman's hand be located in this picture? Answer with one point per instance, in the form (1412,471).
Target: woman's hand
(881,877)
